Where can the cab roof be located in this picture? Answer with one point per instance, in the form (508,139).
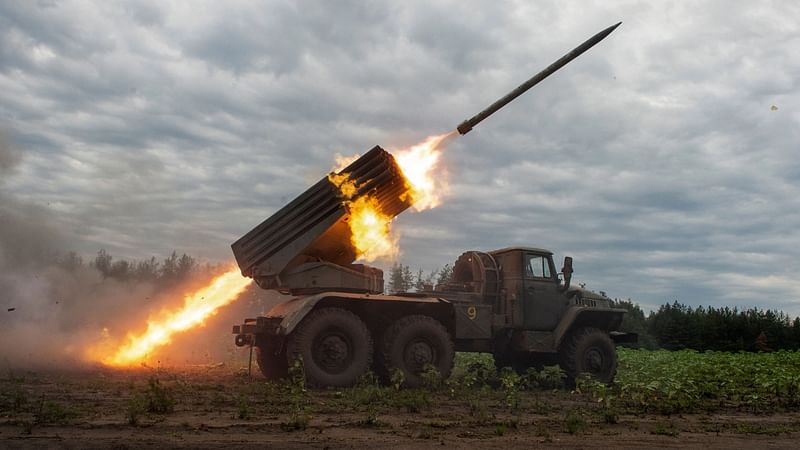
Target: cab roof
(523,249)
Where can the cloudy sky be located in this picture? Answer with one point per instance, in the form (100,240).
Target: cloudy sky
(664,160)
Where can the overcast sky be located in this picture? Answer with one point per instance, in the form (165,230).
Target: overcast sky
(664,160)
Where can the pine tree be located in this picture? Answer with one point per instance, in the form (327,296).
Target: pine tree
(395,278)
(102,262)
(445,274)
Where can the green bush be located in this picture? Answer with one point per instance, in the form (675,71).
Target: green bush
(159,398)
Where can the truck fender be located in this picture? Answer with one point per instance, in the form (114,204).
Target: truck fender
(287,315)
(606,319)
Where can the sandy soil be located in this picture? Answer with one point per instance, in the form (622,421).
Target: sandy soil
(221,407)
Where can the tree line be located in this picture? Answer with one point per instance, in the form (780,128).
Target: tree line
(163,272)
(675,326)
(402,279)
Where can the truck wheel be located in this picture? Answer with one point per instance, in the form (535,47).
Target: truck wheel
(273,365)
(412,343)
(589,350)
(335,346)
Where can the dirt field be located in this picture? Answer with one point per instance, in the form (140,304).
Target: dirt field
(219,406)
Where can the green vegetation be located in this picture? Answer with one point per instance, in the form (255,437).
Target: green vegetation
(574,423)
(682,381)
(675,326)
(298,396)
(159,398)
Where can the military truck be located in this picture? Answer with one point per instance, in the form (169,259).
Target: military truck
(510,302)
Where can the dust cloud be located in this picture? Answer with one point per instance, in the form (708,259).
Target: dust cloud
(54,308)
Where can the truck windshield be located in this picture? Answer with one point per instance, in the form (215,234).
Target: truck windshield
(537,267)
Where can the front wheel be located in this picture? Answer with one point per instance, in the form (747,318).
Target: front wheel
(414,342)
(591,351)
(334,345)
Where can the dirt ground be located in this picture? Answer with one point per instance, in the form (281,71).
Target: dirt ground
(218,406)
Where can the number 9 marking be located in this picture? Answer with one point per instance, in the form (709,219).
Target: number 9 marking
(472,313)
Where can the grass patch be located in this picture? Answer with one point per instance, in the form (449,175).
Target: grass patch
(159,398)
(769,430)
(574,423)
(666,429)
(53,413)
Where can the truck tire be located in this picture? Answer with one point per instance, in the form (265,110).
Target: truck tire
(589,350)
(413,342)
(273,365)
(335,347)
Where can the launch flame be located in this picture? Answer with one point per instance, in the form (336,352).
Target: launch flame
(426,185)
(420,166)
(197,307)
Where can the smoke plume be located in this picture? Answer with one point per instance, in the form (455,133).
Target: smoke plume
(53,310)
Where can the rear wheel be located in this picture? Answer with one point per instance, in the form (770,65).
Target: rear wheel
(414,342)
(335,347)
(589,350)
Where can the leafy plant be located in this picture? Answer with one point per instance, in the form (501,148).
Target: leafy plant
(601,393)
(510,381)
(397,378)
(412,400)
(137,405)
(160,398)
(552,377)
(299,418)
(243,407)
(431,377)
(574,423)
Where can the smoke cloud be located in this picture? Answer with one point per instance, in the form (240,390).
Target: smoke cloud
(54,308)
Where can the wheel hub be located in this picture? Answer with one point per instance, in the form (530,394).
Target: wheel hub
(418,354)
(593,361)
(332,352)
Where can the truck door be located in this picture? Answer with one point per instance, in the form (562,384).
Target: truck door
(543,303)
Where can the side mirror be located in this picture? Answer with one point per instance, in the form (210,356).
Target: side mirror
(567,271)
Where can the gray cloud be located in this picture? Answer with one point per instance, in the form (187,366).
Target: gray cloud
(655,159)
(8,157)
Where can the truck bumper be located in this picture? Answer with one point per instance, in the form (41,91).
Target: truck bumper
(624,338)
(247,332)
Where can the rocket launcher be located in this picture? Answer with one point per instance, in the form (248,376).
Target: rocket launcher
(305,246)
